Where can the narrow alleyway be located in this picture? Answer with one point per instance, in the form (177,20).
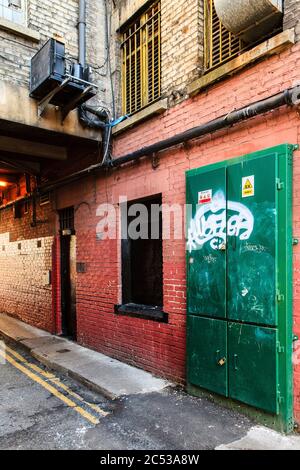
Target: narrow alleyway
(43,410)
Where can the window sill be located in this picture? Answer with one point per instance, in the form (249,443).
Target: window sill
(269,47)
(19,30)
(158,107)
(144,312)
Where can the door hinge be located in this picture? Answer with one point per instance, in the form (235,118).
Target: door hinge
(280,349)
(279,184)
(279,296)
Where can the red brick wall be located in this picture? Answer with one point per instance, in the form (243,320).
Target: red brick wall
(160,348)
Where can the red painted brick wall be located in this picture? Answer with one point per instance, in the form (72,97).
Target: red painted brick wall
(160,348)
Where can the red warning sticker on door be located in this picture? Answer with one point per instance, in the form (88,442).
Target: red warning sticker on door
(205,197)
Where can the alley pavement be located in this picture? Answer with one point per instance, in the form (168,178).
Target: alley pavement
(42,409)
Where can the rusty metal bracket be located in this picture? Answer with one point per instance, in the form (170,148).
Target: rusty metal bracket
(155,161)
(42,105)
(72,105)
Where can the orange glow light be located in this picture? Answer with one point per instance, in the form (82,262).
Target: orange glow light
(3,184)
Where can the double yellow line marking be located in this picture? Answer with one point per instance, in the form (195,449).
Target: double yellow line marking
(24,368)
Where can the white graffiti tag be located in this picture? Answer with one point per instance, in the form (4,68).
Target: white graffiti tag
(209,223)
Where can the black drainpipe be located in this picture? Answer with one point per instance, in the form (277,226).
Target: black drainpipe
(289,97)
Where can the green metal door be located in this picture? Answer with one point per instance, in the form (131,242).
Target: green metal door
(239,280)
(253,365)
(251,251)
(206,256)
(207,355)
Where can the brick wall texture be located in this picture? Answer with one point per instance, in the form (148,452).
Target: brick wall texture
(181,43)
(156,347)
(25,288)
(25,264)
(160,348)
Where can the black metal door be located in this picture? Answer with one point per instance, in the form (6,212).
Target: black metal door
(67,312)
(68,282)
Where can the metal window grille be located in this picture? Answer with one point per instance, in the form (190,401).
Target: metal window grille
(141,68)
(66,219)
(220,44)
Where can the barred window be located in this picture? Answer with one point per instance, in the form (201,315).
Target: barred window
(220,44)
(14,10)
(141,83)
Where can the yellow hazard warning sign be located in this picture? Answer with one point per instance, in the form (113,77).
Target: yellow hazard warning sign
(248,186)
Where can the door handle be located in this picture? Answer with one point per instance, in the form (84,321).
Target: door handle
(235,362)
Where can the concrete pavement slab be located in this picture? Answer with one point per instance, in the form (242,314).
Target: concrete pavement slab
(261,438)
(101,373)
(44,341)
(16,330)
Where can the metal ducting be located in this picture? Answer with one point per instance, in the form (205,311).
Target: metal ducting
(250,20)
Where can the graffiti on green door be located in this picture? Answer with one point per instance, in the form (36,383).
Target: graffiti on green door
(211,224)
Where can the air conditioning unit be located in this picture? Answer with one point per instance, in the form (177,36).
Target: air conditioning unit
(250,20)
(49,77)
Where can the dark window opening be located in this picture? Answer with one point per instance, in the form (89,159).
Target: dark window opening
(142,262)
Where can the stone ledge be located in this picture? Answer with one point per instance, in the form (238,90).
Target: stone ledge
(19,30)
(156,108)
(267,48)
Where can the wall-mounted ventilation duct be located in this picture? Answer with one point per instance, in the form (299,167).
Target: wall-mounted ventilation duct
(248,19)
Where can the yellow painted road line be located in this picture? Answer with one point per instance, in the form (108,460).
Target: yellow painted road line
(51,389)
(52,378)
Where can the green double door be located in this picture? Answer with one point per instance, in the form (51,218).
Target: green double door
(237,240)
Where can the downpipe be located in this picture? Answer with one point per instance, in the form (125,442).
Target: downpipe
(82,33)
(100,119)
(289,97)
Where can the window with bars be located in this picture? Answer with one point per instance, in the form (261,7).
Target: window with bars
(14,10)
(141,79)
(220,44)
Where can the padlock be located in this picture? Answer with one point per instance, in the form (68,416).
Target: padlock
(222,361)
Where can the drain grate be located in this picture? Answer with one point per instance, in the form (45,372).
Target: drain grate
(62,351)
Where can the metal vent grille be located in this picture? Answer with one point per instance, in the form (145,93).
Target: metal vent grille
(220,44)
(44,199)
(141,68)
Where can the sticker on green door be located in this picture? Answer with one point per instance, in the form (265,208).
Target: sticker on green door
(248,185)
